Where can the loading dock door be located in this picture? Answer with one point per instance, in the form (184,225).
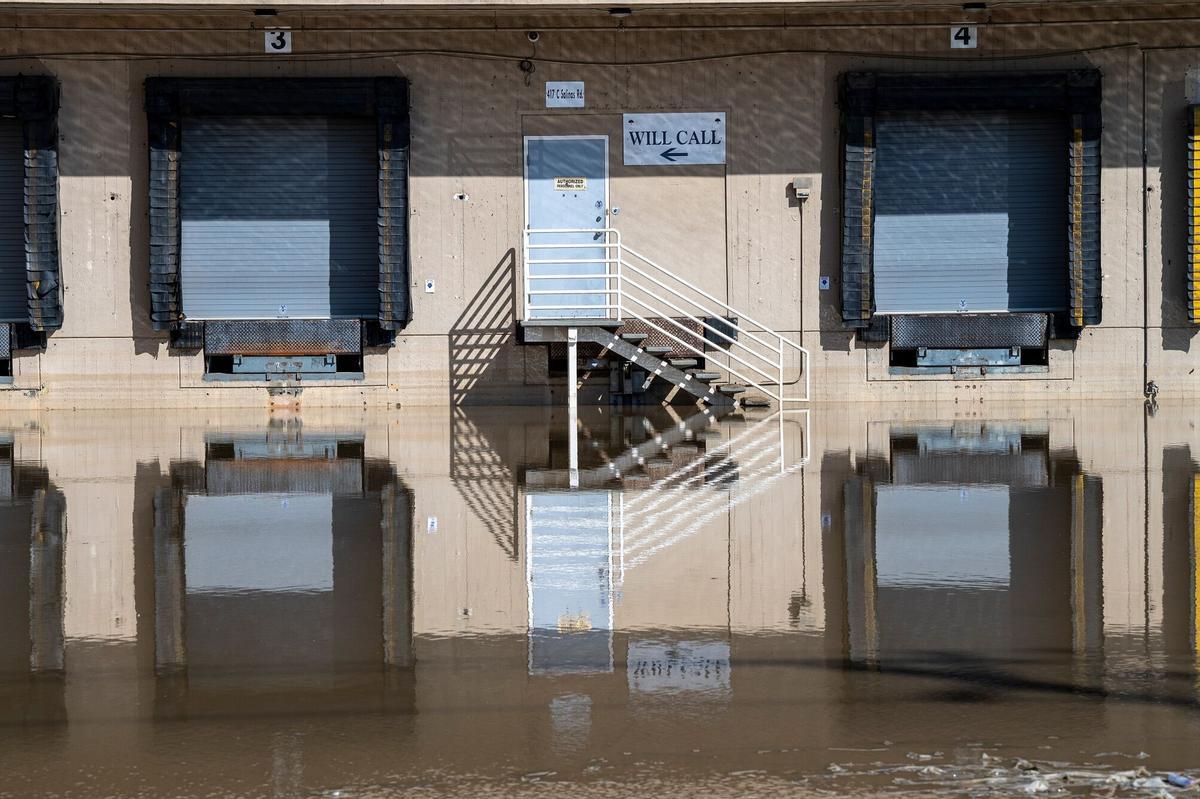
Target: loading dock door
(14,302)
(279,218)
(970,212)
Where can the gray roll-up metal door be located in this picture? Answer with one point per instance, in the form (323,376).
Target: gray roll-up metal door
(279,218)
(14,295)
(970,212)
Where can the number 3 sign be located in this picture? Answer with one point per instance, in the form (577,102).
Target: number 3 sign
(277,40)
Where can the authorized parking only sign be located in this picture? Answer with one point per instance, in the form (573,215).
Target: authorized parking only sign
(674,139)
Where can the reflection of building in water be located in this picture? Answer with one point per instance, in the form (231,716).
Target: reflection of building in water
(1181,542)
(730,616)
(971,537)
(676,479)
(655,508)
(32,641)
(484,480)
(32,531)
(285,552)
(693,667)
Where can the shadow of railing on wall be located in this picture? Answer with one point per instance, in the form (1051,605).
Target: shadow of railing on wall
(485,329)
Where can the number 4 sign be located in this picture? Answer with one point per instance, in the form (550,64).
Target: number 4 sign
(963,37)
(277,40)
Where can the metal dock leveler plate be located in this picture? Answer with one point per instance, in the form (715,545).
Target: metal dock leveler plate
(284,337)
(969,340)
(674,139)
(6,342)
(953,331)
(283,349)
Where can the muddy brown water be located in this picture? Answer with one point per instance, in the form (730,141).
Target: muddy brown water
(896,601)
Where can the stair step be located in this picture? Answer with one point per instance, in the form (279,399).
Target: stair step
(731,388)
(635,481)
(635,338)
(644,357)
(658,468)
(683,363)
(755,401)
(706,377)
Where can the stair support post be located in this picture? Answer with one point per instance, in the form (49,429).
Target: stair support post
(779,399)
(573,403)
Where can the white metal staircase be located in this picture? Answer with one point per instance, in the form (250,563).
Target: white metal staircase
(583,285)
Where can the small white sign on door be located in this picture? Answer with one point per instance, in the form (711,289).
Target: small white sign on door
(564,94)
(277,40)
(964,37)
(674,139)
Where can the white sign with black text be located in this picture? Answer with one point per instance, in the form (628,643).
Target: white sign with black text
(964,37)
(277,40)
(564,94)
(674,139)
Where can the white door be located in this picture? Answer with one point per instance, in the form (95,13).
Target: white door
(566,189)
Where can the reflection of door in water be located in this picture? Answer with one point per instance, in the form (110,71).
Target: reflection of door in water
(566,186)
(569,540)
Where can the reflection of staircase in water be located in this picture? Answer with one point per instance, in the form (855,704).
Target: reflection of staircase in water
(484,481)
(679,504)
(671,485)
(660,453)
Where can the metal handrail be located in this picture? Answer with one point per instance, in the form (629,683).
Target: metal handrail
(624,293)
(693,348)
(683,327)
(773,347)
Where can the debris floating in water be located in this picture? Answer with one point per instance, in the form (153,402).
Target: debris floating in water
(989,776)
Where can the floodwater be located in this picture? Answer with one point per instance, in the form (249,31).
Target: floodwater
(952,601)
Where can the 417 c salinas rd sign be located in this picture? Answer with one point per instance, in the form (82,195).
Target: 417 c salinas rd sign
(679,139)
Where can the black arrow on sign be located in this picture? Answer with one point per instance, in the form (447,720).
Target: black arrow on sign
(671,154)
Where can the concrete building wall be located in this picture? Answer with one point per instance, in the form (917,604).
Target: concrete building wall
(735,230)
